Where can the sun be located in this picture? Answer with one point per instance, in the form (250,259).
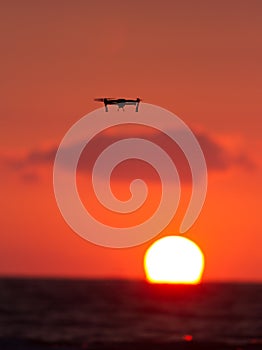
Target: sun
(174,259)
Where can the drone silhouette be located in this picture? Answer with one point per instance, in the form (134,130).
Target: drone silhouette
(120,102)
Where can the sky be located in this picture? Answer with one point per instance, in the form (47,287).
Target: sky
(200,60)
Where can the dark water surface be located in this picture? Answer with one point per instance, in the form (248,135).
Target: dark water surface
(87,312)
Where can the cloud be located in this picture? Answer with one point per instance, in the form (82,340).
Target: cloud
(32,158)
(219,157)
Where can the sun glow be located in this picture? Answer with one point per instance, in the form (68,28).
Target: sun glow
(174,259)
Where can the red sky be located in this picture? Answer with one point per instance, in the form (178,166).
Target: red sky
(199,59)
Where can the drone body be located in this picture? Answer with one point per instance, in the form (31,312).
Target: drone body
(120,102)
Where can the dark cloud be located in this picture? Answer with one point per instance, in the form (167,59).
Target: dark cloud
(31,159)
(30,177)
(217,156)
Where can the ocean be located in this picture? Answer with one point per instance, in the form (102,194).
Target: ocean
(120,314)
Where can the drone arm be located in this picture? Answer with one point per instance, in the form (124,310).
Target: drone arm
(137,105)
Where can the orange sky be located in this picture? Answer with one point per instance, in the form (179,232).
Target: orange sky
(201,60)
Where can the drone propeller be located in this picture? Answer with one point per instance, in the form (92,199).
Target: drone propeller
(101,99)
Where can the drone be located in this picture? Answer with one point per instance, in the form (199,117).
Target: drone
(120,102)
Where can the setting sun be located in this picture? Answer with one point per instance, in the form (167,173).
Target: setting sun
(174,259)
